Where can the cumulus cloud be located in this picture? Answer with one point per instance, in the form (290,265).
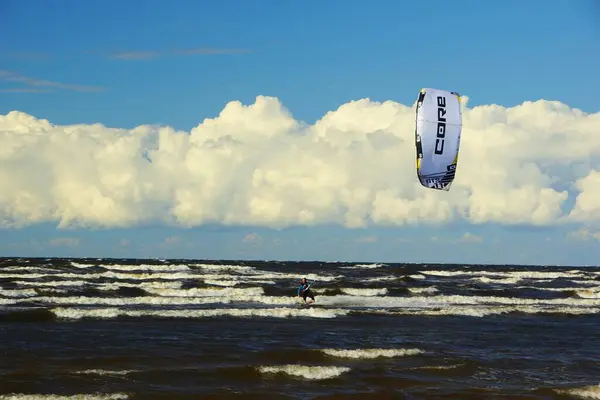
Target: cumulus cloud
(256,165)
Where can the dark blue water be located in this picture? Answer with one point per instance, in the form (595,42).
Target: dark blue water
(179,329)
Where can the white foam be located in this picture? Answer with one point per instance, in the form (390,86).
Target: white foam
(503,281)
(482,311)
(25,268)
(133,267)
(146,275)
(173,272)
(107,313)
(147,285)
(371,353)
(446,273)
(235,282)
(81,265)
(165,301)
(305,371)
(510,274)
(310,277)
(382,279)
(18,292)
(227,283)
(438,367)
(254,273)
(445,300)
(585,392)
(241,269)
(105,274)
(106,372)
(430,289)
(588,293)
(587,282)
(53,290)
(37,275)
(51,283)
(357,292)
(364,292)
(202,292)
(364,266)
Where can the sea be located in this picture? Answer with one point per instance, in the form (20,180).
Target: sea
(198,329)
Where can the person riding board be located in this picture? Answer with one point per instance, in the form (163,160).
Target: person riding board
(304,290)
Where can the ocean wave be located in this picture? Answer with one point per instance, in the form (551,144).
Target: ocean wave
(381,278)
(305,371)
(585,392)
(483,311)
(18,292)
(418,290)
(134,267)
(437,367)
(103,372)
(165,301)
(206,292)
(591,293)
(371,353)
(114,312)
(364,292)
(446,300)
(508,274)
(364,266)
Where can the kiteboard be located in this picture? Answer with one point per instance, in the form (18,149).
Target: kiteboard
(437,137)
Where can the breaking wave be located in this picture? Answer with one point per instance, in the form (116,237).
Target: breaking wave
(78,290)
(371,353)
(305,371)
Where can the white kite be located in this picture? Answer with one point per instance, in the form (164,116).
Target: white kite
(437,137)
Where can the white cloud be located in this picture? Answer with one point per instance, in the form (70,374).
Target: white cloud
(366,239)
(467,237)
(253,238)
(256,165)
(64,242)
(470,238)
(171,240)
(149,55)
(583,235)
(15,77)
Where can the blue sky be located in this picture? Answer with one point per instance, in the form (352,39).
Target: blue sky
(149,64)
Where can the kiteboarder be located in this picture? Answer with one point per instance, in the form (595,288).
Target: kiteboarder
(304,290)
